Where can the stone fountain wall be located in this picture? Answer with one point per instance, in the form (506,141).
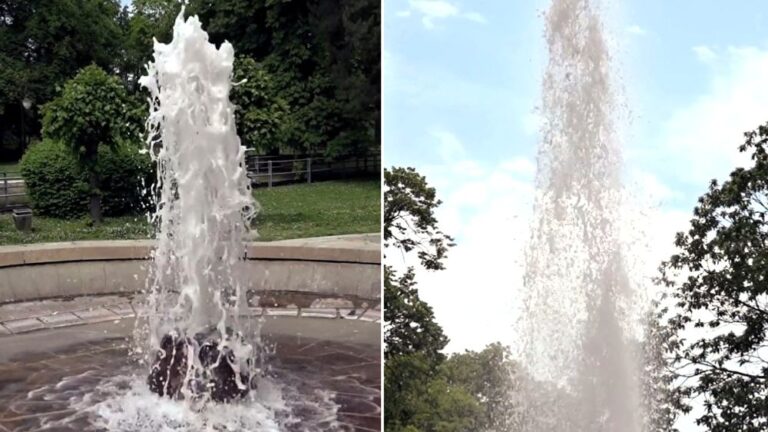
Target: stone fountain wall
(293,272)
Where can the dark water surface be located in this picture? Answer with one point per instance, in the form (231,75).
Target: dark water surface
(314,384)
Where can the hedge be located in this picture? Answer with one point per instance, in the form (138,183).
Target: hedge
(58,186)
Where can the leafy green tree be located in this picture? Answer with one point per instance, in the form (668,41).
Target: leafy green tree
(147,20)
(323,57)
(43,43)
(260,113)
(419,400)
(91,111)
(410,224)
(410,323)
(409,217)
(717,282)
(489,376)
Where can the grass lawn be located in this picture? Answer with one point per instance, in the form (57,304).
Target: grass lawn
(9,167)
(293,211)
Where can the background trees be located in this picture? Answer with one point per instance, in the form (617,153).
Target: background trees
(316,63)
(718,284)
(424,389)
(92,111)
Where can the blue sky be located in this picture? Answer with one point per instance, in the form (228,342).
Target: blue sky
(461,85)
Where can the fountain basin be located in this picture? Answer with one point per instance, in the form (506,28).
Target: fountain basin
(67,316)
(324,375)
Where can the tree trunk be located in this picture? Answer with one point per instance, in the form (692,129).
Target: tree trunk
(94,206)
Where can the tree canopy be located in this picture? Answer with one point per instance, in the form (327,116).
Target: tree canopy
(424,389)
(719,311)
(314,63)
(92,110)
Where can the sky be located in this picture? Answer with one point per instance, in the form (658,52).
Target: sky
(461,87)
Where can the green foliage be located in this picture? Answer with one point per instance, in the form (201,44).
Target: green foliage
(42,44)
(55,181)
(288,212)
(490,376)
(324,59)
(261,115)
(91,110)
(410,323)
(58,186)
(126,175)
(417,399)
(409,217)
(717,283)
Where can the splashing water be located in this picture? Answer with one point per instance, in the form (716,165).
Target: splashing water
(204,202)
(577,327)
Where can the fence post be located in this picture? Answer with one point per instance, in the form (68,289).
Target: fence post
(309,170)
(269,170)
(5,189)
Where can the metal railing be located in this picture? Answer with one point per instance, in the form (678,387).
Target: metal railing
(262,170)
(270,171)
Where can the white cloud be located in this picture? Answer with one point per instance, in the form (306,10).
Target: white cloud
(636,30)
(449,146)
(488,208)
(704,53)
(701,139)
(404,13)
(520,166)
(433,10)
(476,17)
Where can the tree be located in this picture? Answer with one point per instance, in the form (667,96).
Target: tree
(409,217)
(146,21)
(324,59)
(717,282)
(419,400)
(45,42)
(410,323)
(260,113)
(91,111)
(489,376)
(410,224)
(415,395)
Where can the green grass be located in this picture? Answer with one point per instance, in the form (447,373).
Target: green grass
(319,209)
(10,167)
(294,211)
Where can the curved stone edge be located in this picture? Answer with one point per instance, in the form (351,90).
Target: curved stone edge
(331,249)
(346,267)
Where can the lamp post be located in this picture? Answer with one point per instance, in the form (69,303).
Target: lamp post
(26,103)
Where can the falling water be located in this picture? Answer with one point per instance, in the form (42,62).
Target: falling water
(576,325)
(204,202)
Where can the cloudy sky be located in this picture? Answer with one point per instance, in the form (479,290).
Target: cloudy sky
(461,87)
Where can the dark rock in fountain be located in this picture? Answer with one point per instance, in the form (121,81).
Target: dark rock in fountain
(169,369)
(214,376)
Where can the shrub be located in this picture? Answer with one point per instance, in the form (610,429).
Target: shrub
(58,185)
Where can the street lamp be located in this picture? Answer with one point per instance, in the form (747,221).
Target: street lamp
(27,104)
